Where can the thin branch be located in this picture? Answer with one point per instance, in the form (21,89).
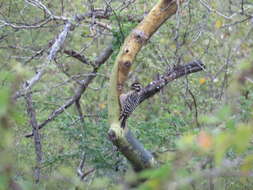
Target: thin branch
(100,24)
(205,4)
(57,46)
(87,173)
(77,56)
(196,107)
(97,63)
(25,26)
(117,19)
(79,110)
(80,169)
(54,50)
(81,166)
(40,5)
(37,141)
(237,22)
(38,53)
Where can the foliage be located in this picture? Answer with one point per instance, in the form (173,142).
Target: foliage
(166,124)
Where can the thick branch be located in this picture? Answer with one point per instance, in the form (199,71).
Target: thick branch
(133,150)
(131,47)
(122,137)
(177,72)
(139,37)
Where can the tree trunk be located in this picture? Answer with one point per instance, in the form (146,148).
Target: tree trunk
(131,148)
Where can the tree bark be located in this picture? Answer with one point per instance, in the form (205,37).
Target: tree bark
(123,138)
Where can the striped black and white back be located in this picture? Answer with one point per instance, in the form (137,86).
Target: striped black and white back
(129,102)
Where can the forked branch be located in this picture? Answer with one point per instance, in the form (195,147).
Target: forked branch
(132,149)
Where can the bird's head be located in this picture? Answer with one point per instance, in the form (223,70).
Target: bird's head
(136,87)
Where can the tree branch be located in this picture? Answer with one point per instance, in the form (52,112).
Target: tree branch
(54,50)
(122,137)
(178,71)
(100,60)
(80,169)
(79,110)
(77,56)
(37,141)
(133,149)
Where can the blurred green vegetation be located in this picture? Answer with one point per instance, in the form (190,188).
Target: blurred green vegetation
(165,124)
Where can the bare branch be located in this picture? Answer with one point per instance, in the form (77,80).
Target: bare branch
(40,5)
(79,110)
(37,141)
(54,49)
(176,72)
(80,169)
(205,4)
(77,56)
(97,63)
(195,106)
(31,26)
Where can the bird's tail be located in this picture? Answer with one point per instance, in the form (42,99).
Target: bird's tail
(123,122)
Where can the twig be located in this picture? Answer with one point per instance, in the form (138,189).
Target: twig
(40,5)
(77,56)
(25,26)
(237,22)
(81,166)
(80,172)
(196,108)
(205,4)
(117,19)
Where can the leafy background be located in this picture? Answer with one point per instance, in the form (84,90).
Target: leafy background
(165,124)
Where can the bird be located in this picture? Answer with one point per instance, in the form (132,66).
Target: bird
(129,101)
